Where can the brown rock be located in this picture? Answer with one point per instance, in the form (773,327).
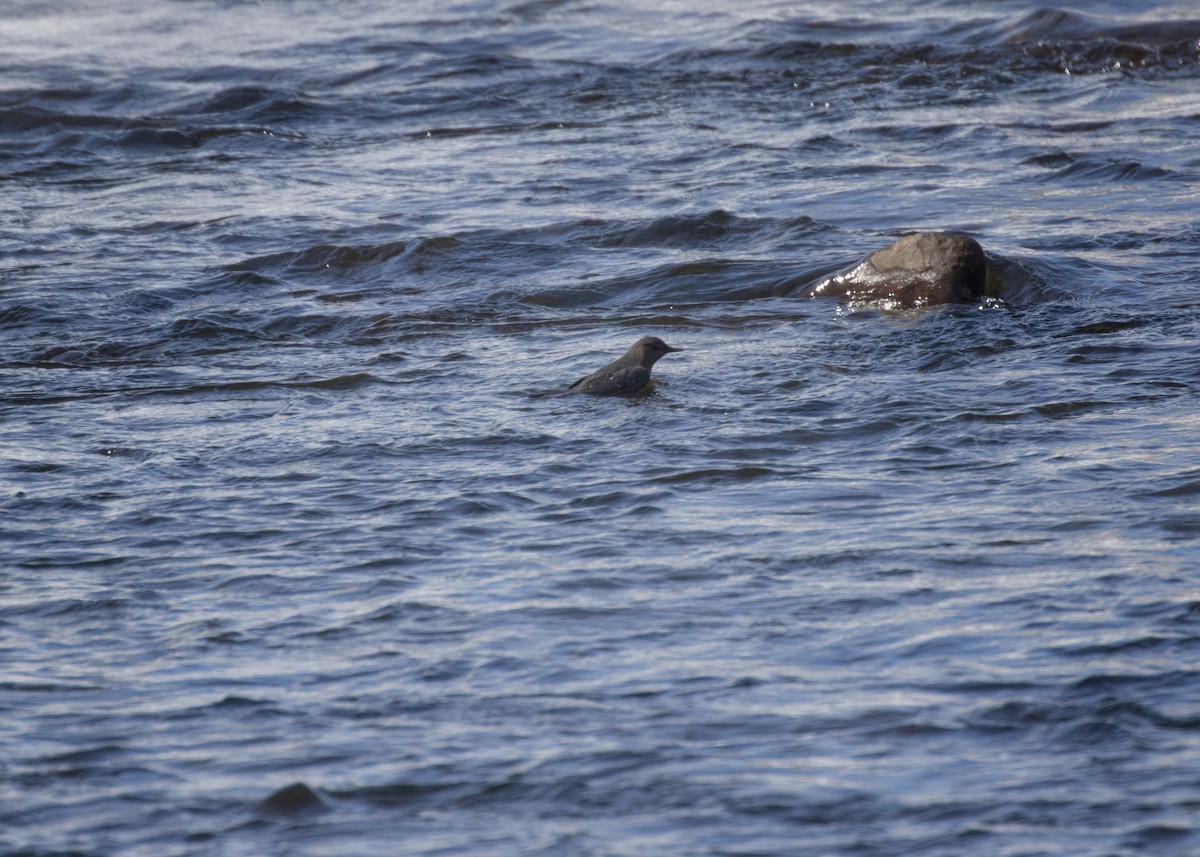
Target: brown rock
(920,269)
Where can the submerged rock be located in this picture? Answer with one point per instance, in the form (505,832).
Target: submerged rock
(292,800)
(920,269)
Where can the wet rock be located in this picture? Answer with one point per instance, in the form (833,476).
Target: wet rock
(292,800)
(920,269)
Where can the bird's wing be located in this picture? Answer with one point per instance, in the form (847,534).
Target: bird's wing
(629,380)
(622,379)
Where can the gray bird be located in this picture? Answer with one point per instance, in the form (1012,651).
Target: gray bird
(627,374)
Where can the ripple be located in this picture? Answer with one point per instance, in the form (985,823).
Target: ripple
(289,527)
(1085,169)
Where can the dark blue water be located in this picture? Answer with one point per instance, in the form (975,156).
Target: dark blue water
(285,498)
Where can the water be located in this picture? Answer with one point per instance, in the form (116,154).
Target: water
(286,499)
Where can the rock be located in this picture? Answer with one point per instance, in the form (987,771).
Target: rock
(920,269)
(292,800)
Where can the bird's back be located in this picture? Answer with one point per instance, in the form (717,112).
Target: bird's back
(614,378)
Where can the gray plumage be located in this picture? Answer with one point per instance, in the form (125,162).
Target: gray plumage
(629,373)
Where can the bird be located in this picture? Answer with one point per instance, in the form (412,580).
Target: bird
(629,373)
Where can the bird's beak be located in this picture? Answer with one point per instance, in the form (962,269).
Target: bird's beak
(670,349)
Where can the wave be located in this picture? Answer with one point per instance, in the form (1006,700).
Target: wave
(1088,169)
(1044,40)
(1051,23)
(343,258)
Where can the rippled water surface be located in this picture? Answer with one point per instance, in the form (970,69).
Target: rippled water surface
(301,551)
